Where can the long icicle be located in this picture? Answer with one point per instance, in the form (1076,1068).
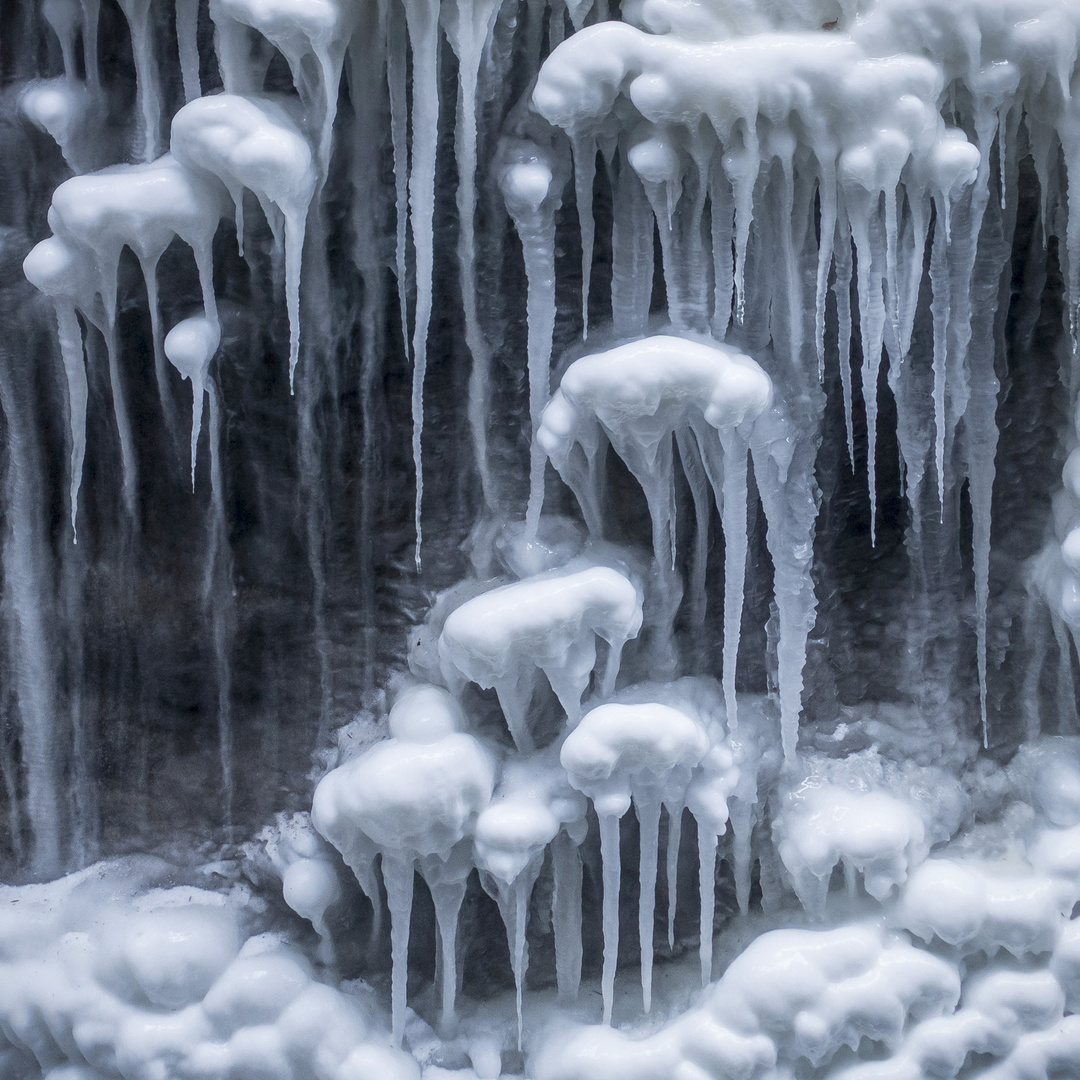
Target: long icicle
(707,894)
(612,875)
(422,17)
(648,812)
(566,915)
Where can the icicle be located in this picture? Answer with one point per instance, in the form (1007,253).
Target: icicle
(612,874)
(187,30)
(398,879)
(422,17)
(648,813)
(721,224)
(940,306)
(566,914)
(862,206)
(532,196)
(842,293)
(396,73)
(62,16)
(632,262)
(149,269)
(469,25)
(742,168)
(91,11)
(673,843)
(448,896)
(190,346)
(733,523)
(742,828)
(584,149)
(123,420)
(827,199)
(71,352)
(513,899)
(148,92)
(707,894)
(697,480)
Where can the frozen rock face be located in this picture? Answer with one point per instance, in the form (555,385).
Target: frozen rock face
(544,751)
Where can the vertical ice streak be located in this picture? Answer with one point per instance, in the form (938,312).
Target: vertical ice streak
(422,18)
(27,609)
(612,875)
(168,404)
(398,879)
(566,915)
(648,812)
(707,894)
(187,41)
(217,596)
(674,841)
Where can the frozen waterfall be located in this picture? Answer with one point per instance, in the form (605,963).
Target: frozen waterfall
(540,538)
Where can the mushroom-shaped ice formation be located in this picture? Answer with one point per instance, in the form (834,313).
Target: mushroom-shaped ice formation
(534,806)
(791,995)
(548,622)
(979,906)
(641,397)
(871,816)
(316,30)
(65,110)
(255,143)
(641,753)
(414,800)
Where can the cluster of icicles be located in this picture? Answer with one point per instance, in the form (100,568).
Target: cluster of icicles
(751,145)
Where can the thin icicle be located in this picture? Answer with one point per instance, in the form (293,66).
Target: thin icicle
(707,894)
(632,262)
(190,346)
(398,879)
(648,813)
(566,914)
(674,842)
(71,352)
(469,25)
(827,200)
(612,875)
(697,480)
(584,149)
(842,293)
(123,419)
(721,218)
(940,306)
(532,195)
(168,404)
(147,88)
(733,522)
(448,896)
(422,17)
(396,73)
(187,28)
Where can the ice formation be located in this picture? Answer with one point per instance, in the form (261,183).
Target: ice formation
(750,246)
